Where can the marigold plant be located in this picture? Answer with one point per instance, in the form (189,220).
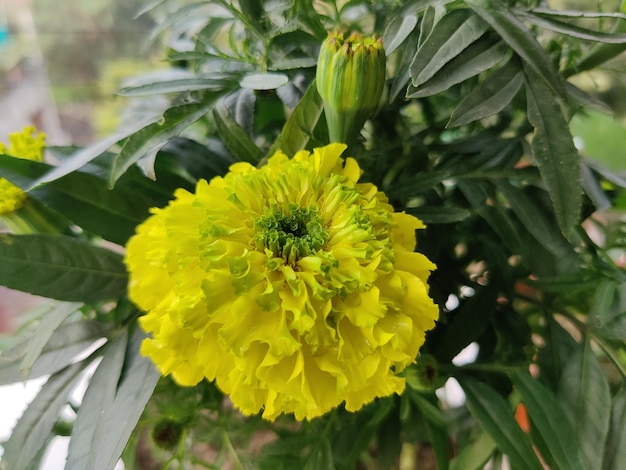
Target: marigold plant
(380,247)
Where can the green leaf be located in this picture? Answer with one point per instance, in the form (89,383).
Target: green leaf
(482,55)
(521,40)
(149,140)
(440,442)
(298,130)
(476,455)
(496,217)
(608,313)
(98,397)
(439,214)
(235,137)
(554,152)
(398,29)
(264,81)
(550,421)
(60,351)
(122,405)
(585,397)
(453,33)
(417,184)
(112,214)
(32,431)
(571,29)
(84,156)
(61,268)
(320,457)
(615,448)
(600,53)
(490,96)
(177,86)
(82,198)
(389,442)
(536,222)
(496,418)
(57,313)
(356,431)
(241,107)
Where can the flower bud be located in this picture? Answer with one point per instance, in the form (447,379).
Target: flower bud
(167,434)
(350,79)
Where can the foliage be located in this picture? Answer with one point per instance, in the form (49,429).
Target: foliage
(471,135)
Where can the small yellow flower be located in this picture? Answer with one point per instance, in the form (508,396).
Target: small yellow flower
(21,145)
(293,286)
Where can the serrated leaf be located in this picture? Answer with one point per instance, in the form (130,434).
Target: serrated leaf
(453,33)
(550,421)
(496,418)
(298,130)
(32,431)
(482,55)
(61,268)
(235,137)
(554,152)
(57,313)
(117,421)
(60,351)
(82,198)
(175,86)
(97,400)
(521,40)
(152,138)
(475,455)
(570,29)
(398,29)
(584,396)
(491,95)
(86,155)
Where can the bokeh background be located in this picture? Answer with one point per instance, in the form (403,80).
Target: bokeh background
(61,63)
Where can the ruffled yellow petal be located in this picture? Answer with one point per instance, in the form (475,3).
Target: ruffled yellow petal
(293,286)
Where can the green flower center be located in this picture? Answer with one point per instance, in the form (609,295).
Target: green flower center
(290,234)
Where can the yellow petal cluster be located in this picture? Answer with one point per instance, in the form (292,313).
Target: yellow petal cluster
(293,286)
(21,145)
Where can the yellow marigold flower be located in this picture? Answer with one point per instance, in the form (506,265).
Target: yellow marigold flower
(293,286)
(21,145)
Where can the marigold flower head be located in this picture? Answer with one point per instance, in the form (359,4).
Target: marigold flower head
(21,145)
(293,286)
